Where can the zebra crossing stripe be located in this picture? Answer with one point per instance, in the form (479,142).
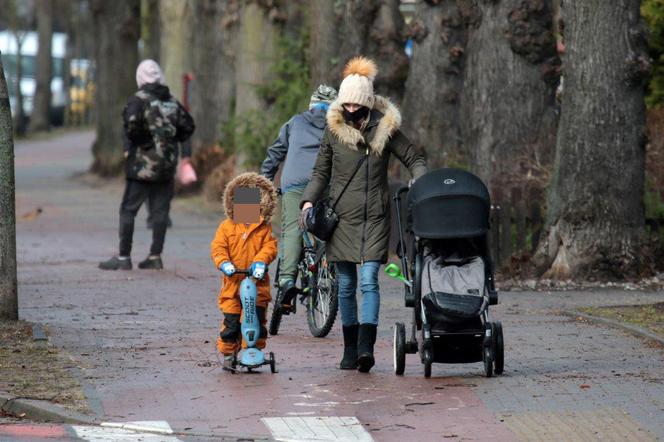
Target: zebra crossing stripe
(318,429)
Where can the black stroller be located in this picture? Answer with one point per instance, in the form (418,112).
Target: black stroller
(452,282)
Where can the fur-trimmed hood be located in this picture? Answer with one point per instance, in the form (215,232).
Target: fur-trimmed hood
(252,179)
(388,124)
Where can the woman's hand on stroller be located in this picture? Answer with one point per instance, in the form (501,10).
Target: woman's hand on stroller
(227,268)
(306,207)
(257,270)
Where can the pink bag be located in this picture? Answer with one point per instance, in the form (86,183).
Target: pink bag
(186,173)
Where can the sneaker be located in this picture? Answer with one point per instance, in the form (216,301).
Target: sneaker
(115,263)
(151,263)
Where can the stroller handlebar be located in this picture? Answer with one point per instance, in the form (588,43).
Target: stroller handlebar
(400,190)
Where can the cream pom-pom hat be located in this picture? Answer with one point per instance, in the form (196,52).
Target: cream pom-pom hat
(357,85)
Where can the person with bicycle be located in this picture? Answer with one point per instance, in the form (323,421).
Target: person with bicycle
(362,134)
(297,145)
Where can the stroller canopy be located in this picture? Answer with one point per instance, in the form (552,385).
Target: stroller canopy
(449,203)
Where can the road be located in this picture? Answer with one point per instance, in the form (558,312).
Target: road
(145,340)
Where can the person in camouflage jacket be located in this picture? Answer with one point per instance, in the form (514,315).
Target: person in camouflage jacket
(156,126)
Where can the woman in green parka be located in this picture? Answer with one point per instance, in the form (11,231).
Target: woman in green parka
(361,127)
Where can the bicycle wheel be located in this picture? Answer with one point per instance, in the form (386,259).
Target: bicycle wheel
(322,301)
(275,319)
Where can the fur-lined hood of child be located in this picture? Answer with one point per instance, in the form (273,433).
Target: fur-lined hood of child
(251,179)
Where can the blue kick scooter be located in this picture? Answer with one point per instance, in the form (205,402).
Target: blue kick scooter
(251,357)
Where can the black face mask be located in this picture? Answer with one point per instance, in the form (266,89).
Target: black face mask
(357,116)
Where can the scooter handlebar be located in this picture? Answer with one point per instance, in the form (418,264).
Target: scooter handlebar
(243,271)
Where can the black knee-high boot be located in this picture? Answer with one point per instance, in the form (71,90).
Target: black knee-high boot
(349,361)
(365,347)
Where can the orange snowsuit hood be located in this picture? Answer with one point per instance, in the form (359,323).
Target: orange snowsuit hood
(245,244)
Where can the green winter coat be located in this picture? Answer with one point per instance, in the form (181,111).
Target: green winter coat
(363,231)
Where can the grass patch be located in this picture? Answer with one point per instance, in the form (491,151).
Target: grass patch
(649,316)
(36,370)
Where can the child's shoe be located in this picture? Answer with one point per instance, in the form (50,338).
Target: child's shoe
(229,363)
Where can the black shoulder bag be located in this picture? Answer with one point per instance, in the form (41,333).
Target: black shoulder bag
(322,219)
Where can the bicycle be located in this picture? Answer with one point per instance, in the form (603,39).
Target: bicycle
(318,290)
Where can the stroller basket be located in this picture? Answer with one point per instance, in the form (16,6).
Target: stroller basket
(451,307)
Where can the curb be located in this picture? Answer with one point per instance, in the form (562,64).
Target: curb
(633,329)
(43,411)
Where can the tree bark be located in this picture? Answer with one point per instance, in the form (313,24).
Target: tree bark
(256,48)
(150,30)
(373,28)
(435,81)
(595,219)
(8,281)
(19,116)
(117,26)
(211,100)
(176,42)
(508,102)
(323,42)
(40,119)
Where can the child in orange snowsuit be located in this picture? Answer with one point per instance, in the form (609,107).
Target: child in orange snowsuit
(242,245)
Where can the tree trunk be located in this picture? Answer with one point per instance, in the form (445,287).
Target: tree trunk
(435,81)
(19,116)
(595,219)
(150,30)
(508,103)
(374,28)
(40,119)
(256,48)
(323,42)
(176,42)
(8,281)
(117,26)
(209,106)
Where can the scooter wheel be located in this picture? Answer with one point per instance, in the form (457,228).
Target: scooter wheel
(273,363)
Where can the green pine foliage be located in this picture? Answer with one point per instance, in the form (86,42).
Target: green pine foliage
(653,13)
(286,94)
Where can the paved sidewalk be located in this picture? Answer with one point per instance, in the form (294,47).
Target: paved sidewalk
(145,340)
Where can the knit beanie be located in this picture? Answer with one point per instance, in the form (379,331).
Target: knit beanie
(357,86)
(148,71)
(324,94)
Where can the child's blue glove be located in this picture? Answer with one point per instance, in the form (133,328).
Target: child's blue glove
(258,270)
(227,268)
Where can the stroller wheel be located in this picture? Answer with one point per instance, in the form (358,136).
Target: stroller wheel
(273,363)
(427,360)
(498,348)
(399,348)
(488,361)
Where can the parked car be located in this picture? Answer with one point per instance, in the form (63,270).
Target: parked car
(28,56)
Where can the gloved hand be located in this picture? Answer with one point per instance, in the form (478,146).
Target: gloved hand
(258,269)
(227,268)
